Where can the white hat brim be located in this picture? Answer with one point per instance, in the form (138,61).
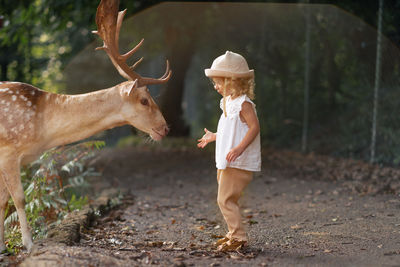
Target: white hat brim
(223,73)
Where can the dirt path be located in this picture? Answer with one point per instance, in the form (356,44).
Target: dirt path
(170,217)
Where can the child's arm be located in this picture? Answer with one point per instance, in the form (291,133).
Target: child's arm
(251,120)
(208,137)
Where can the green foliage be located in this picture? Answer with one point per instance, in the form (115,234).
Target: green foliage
(77,203)
(54,185)
(38,38)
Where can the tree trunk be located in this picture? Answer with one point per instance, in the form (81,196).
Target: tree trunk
(180,55)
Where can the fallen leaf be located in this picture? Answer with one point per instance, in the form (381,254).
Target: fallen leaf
(235,257)
(251,222)
(217,236)
(157,244)
(179,249)
(180,257)
(296,227)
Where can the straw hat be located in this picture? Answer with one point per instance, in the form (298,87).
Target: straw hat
(230,65)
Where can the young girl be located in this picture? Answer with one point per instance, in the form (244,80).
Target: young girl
(237,141)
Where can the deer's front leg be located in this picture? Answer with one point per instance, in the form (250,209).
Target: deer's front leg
(4,196)
(12,180)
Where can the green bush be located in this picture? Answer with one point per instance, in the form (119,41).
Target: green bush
(54,185)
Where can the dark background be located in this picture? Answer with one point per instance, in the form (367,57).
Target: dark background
(39,39)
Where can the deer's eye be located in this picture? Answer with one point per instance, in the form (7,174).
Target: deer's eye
(144,102)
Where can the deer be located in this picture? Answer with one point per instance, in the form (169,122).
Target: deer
(33,120)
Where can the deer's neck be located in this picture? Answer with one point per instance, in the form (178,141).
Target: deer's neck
(70,118)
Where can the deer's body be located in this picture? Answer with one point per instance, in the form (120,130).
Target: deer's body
(33,121)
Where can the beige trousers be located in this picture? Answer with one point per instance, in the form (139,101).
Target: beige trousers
(231,183)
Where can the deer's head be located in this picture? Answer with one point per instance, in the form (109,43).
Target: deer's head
(139,108)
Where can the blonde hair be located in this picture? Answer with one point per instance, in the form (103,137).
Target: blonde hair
(238,87)
(241,86)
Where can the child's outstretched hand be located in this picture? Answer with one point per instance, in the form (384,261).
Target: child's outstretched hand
(208,137)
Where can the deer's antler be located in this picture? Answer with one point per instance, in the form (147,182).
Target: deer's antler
(109,22)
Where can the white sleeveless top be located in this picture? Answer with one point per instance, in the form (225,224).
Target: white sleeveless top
(231,131)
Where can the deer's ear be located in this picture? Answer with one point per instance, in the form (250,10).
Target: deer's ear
(127,91)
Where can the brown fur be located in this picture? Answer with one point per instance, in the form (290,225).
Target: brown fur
(32,121)
(18,112)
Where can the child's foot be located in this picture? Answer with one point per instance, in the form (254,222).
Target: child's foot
(221,241)
(232,245)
